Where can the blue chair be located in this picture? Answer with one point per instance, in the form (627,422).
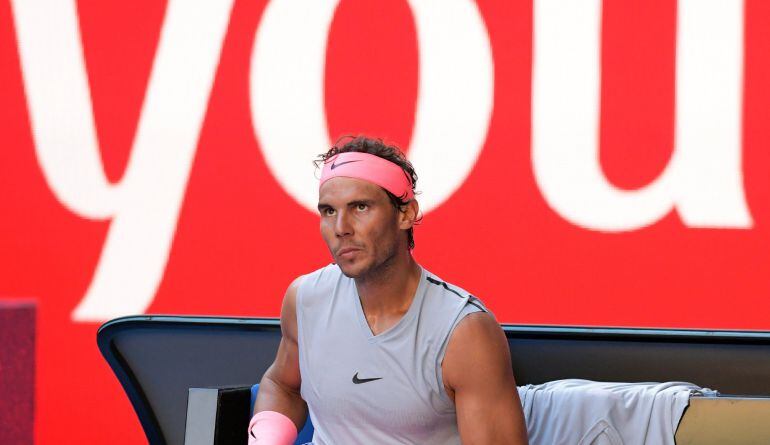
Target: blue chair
(305,436)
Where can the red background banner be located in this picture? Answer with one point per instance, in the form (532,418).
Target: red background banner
(240,238)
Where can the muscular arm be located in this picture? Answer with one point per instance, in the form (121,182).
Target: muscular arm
(477,371)
(279,388)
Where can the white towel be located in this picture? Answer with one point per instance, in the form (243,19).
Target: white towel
(585,412)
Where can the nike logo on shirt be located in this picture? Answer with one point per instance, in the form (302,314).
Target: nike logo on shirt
(357,381)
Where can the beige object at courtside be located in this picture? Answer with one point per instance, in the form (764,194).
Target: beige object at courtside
(725,420)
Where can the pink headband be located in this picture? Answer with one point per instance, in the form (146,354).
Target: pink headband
(370,168)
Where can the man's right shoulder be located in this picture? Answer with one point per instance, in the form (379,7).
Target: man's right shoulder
(330,272)
(314,279)
(305,295)
(318,284)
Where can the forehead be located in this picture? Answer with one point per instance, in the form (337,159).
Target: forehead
(343,190)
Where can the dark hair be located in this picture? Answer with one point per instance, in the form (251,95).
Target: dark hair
(377,147)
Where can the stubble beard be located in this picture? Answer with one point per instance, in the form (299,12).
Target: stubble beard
(378,270)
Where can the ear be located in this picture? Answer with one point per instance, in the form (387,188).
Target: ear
(407,218)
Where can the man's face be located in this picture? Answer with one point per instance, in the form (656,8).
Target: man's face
(360,225)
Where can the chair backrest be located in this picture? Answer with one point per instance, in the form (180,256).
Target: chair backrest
(304,436)
(157,358)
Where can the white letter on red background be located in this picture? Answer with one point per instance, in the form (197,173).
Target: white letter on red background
(144,205)
(703,180)
(454,99)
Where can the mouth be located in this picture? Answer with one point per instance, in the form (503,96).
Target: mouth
(347,252)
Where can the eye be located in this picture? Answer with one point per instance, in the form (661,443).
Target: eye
(361,206)
(328,211)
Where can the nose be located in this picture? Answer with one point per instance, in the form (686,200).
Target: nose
(342,226)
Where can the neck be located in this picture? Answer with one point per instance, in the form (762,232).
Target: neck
(390,289)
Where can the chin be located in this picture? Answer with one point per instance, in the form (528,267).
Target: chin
(350,271)
(355,269)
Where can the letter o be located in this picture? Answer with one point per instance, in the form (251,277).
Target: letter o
(454,100)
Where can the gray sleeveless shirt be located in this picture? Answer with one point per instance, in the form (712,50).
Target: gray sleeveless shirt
(383,389)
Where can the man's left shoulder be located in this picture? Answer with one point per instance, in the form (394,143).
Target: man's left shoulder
(479,337)
(478,326)
(477,346)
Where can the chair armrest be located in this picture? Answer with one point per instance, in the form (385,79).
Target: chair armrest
(217,416)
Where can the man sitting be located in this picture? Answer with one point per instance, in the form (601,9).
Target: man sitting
(380,350)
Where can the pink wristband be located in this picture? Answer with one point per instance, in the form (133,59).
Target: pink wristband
(271,428)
